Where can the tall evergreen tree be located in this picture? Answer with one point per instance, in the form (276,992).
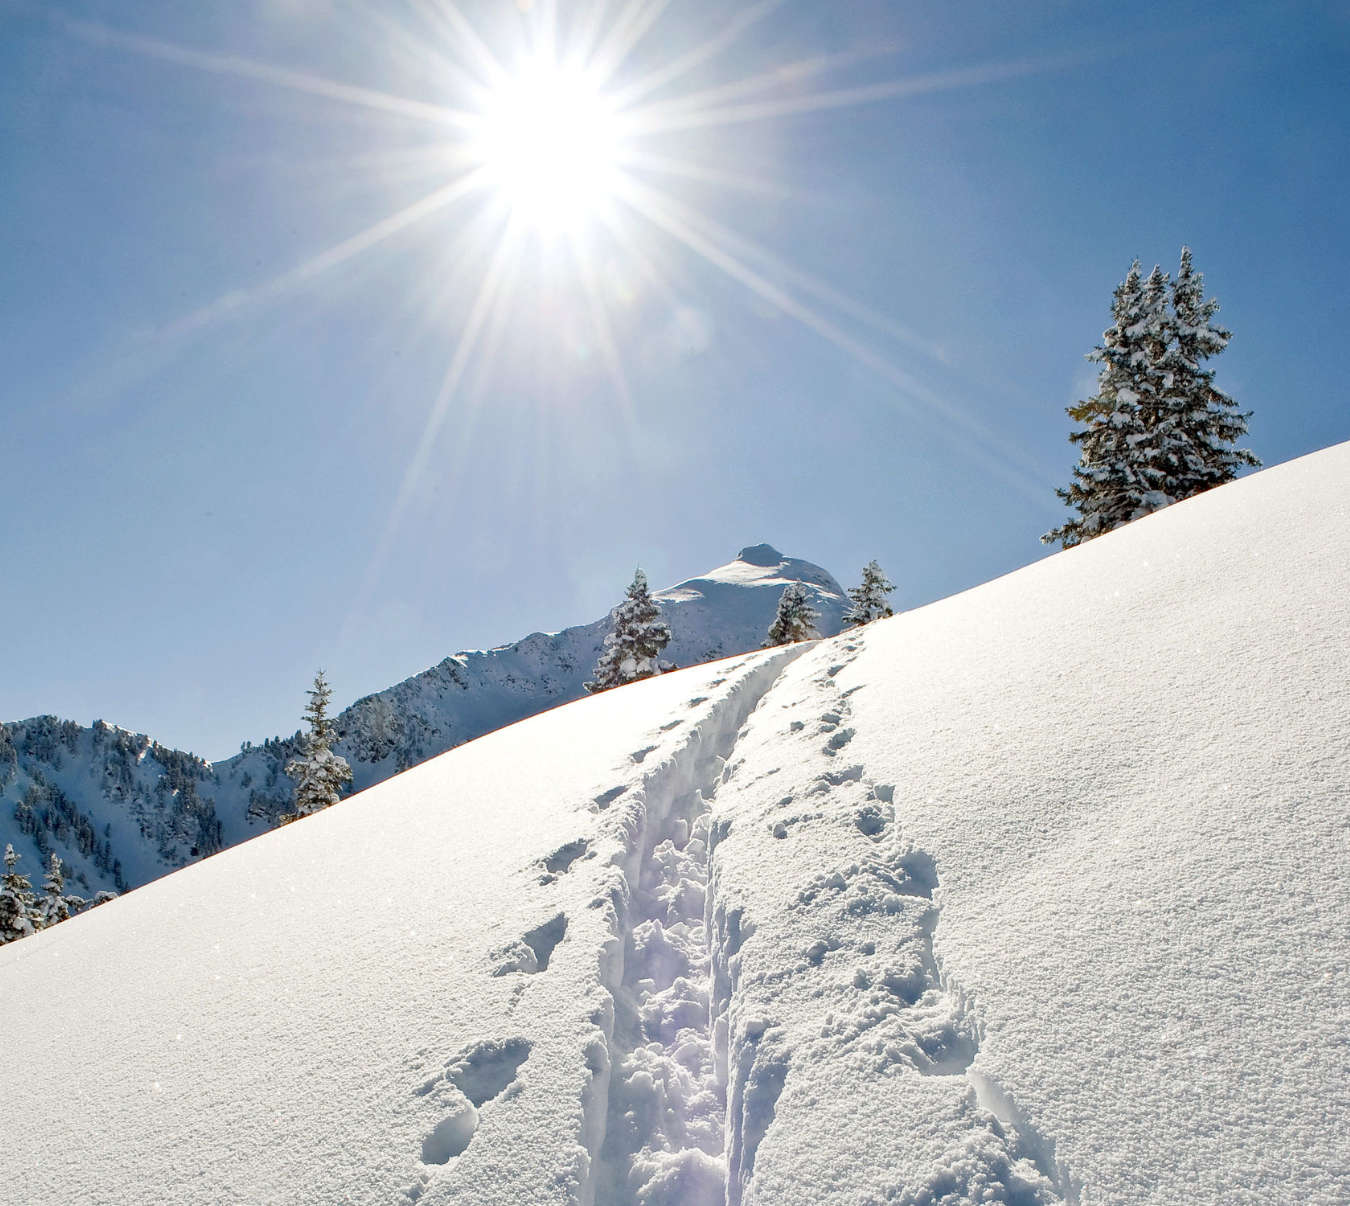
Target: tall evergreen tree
(18,907)
(1205,423)
(1157,430)
(869,598)
(1108,487)
(318,773)
(796,618)
(636,639)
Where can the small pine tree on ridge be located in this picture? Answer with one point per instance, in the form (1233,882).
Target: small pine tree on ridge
(318,773)
(869,597)
(636,639)
(796,618)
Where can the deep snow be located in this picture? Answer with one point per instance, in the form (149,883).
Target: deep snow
(1039,894)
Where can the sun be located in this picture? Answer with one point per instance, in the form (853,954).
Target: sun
(549,144)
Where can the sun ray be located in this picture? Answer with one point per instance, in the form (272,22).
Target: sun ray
(636,20)
(446,14)
(920,399)
(648,116)
(698,56)
(604,331)
(850,306)
(495,331)
(280,77)
(483,304)
(392,165)
(440,280)
(363,241)
(507,248)
(813,285)
(669,166)
(867,94)
(587,34)
(427,54)
(644,259)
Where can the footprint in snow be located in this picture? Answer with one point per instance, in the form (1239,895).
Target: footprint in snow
(530,952)
(823,783)
(473,1078)
(837,741)
(871,820)
(561,860)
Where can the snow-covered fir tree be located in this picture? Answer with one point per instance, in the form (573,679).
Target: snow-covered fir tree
(18,906)
(1157,430)
(56,904)
(796,618)
(318,773)
(1203,423)
(869,597)
(1109,488)
(637,636)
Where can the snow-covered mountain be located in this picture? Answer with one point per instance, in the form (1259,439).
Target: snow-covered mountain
(121,810)
(1037,895)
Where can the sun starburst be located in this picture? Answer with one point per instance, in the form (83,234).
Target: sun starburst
(577,161)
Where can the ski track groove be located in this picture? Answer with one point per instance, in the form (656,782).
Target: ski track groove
(660,1093)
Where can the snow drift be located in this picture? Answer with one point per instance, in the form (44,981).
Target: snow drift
(1040,894)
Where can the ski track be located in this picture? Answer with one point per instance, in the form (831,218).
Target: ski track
(657,1117)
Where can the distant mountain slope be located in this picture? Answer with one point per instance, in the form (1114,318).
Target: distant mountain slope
(121,810)
(1039,895)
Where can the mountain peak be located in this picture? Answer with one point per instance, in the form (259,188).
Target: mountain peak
(760,554)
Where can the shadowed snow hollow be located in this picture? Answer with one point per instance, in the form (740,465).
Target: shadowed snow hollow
(1037,895)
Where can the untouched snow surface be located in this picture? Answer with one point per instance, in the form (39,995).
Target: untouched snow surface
(1040,894)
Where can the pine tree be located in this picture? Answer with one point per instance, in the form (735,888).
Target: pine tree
(1157,430)
(18,907)
(56,904)
(1204,422)
(796,618)
(318,773)
(637,636)
(1108,489)
(869,598)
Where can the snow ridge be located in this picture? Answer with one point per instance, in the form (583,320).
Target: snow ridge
(663,1138)
(102,796)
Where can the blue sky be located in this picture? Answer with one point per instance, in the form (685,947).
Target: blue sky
(850,330)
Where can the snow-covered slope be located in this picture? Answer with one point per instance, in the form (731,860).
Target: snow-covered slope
(120,809)
(1040,894)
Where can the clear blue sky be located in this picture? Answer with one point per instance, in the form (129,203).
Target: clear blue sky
(848,325)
